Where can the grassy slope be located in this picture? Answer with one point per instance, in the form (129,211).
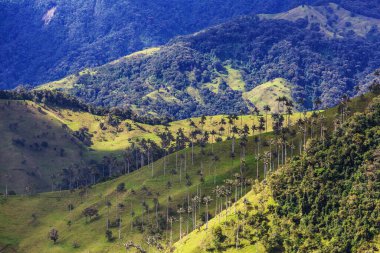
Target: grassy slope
(33,124)
(201,240)
(112,140)
(360,25)
(266,93)
(26,166)
(51,208)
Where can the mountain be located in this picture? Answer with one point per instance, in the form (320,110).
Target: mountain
(331,20)
(317,202)
(219,69)
(49,39)
(144,207)
(46,40)
(45,137)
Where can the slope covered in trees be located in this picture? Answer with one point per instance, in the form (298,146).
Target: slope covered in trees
(211,71)
(46,40)
(325,200)
(52,140)
(153,207)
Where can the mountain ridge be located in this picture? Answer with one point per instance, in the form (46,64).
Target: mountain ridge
(221,63)
(80,34)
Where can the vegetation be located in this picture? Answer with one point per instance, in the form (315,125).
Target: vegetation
(167,199)
(96,162)
(47,40)
(88,148)
(220,69)
(333,20)
(317,202)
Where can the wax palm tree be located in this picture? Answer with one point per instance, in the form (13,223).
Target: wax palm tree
(207,200)
(266,161)
(234,131)
(213,133)
(195,201)
(202,122)
(180,211)
(193,137)
(267,111)
(171,220)
(189,211)
(108,205)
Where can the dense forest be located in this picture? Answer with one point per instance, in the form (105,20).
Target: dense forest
(325,199)
(197,74)
(46,40)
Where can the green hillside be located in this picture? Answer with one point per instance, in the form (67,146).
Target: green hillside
(267,93)
(316,203)
(40,141)
(34,146)
(45,211)
(332,19)
(225,69)
(151,185)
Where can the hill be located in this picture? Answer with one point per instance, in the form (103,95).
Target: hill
(317,202)
(267,93)
(47,40)
(147,206)
(332,19)
(45,142)
(212,71)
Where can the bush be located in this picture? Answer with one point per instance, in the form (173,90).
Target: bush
(218,237)
(75,245)
(120,187)
(109,236)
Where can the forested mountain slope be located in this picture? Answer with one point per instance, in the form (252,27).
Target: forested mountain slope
(326,200)
(217,69)
(333,20)
(46,138)
(46,40)
(155,206)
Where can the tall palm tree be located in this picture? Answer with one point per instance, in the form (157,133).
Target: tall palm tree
(207,200)
(195,200)
(202,122)
(267,111)
(234,131)
(213,133)
(171,220)
(266,161)
(180,211)
(108,205)
(193,137)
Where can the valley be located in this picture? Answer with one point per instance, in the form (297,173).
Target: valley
(178,126)
(143,199)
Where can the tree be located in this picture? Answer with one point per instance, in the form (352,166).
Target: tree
(266,110)
(131,244)
(171,219)
(213,133)
(108,205)
(120,187)
(53,235)
(90,212)
(207,200)
(180,211)
(109,235)
(195,200)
